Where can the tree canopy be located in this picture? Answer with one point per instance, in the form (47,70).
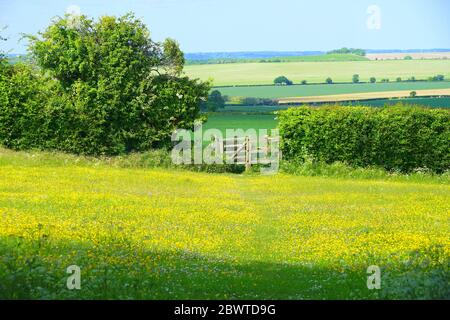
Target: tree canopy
(215,101)
(282,80)
(111,89)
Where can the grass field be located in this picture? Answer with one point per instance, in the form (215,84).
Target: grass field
(325,89)
(223,121)
(157,234)
(265,73)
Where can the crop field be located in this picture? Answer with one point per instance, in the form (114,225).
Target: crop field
(326,89)
(158,234)
(443,102)
(414,55)
(364,96)
(341,71)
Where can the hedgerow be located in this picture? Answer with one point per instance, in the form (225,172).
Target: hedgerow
(400,138)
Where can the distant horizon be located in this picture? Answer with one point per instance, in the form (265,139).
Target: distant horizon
(311,52)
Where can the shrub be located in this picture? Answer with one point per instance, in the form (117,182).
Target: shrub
(304,82)
(407,58)
(399,79)
(329,81)
(373,80)
(413,94)
(395,138)
(24,113)
(355,78)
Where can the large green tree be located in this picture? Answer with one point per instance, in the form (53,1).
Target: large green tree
(116,89)
(215,101)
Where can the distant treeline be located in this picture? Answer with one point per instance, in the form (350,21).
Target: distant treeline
(309,58)
(358,52)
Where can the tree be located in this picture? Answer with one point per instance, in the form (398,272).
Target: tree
(413,94)
(282,80)
(408,58)
(373,80)
(116,89)
(304,82)
(329,81)
(439,77)
(355,78)
(399,79)
(215,101)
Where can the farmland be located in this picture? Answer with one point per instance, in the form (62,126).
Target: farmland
(341,71)
(414,55)
(324,89)
(278,59)
(159,234)
(364,96)
(441,102)
(223,121)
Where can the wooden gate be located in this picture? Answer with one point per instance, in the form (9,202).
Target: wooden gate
(246,151)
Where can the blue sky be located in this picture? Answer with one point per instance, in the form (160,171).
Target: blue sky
(254,25)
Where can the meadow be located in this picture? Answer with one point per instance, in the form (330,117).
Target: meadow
(159,234)
(340,71)
(223,121)
(327,89)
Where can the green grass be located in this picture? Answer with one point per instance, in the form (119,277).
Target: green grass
(252,109)
(341,71)
(160,234)
(325,89)
(223,121)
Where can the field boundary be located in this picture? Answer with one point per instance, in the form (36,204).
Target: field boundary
(318,84)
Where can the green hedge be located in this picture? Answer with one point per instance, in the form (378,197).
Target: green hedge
(400,138)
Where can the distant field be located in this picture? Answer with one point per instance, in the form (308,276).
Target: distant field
(425,55)
(251,109)
(319,90)
(275,59)
(265,73)
(443,102)
(364,96)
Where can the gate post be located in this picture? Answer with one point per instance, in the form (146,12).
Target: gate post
(248,156)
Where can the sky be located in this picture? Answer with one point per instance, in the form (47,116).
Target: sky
(253,25)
